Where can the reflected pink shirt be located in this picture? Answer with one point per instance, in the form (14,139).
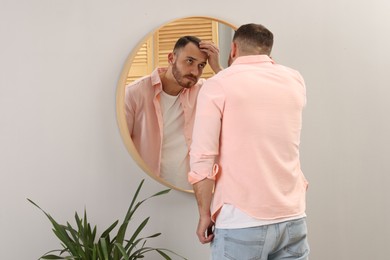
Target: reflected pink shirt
(246,137)
(144,117)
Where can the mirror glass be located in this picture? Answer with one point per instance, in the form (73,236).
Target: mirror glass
(151,53)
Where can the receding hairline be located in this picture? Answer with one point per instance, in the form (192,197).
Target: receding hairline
(183,41)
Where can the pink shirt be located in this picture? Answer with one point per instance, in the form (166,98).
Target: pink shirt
(144,118)
(246,137)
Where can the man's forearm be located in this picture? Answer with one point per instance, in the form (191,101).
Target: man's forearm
(204,194)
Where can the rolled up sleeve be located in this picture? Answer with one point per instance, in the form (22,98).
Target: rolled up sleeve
(195,175)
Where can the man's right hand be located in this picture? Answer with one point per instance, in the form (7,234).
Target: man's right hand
(212,52)
(205,229)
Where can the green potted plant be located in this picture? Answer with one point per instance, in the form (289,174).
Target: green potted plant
(81,241)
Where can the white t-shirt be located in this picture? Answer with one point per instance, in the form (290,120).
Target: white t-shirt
(231,217)
(174,151)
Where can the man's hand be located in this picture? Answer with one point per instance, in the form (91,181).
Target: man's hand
(205,230)
(204,193)
(212,52)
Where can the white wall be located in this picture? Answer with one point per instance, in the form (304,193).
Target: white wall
(60,145)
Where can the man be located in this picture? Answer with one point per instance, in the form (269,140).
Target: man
(160,109)
(245,146)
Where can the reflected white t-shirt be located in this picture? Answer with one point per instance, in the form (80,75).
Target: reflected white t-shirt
(174,150)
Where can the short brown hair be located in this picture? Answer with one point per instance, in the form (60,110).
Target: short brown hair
(183,41)
(254,39)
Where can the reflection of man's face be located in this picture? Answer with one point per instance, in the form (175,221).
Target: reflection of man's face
(188,65)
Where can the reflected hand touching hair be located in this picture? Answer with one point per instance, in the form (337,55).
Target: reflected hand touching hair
(212,52)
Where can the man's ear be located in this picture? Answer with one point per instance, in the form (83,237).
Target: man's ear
(171,56)
(233,51)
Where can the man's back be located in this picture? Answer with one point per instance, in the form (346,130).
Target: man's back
(260,104)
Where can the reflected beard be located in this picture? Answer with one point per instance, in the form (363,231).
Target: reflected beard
(179,77)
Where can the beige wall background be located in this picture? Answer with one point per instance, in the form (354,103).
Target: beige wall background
(60,145)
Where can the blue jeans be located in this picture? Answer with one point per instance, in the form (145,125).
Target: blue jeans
(286,240)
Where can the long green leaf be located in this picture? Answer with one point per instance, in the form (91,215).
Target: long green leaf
(73,233)
(52,251)
(162,250)
(76,241)
(135,196)
(100,252)
(138,230)
(86,224)
(131,211)
(138,252)
(104,248)
(108,230)
(163,254)
(131,245)
(52,257)
(94,253)
(122,251)
(59,231)
(59,257)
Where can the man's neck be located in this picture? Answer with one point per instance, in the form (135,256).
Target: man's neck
(169,84)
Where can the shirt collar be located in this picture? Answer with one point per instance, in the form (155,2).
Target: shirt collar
(155,78)
(252,59)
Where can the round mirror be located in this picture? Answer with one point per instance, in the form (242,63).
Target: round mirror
(144,64)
